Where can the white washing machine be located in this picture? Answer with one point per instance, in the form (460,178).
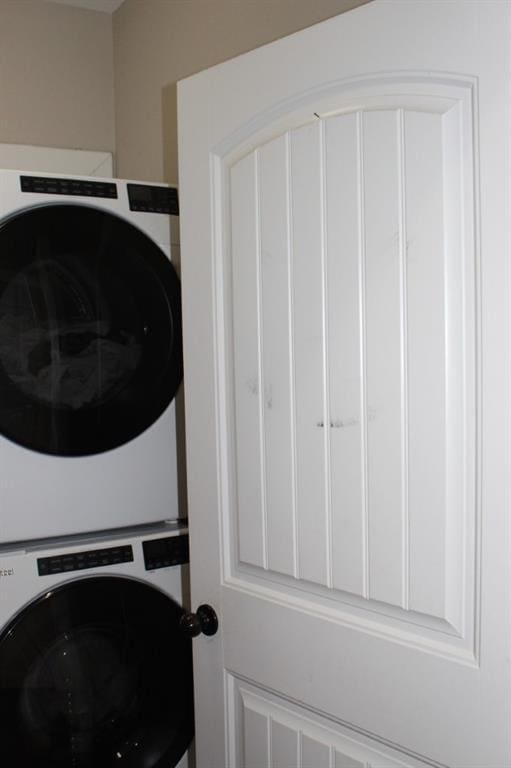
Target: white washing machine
(90,354)
(95,671)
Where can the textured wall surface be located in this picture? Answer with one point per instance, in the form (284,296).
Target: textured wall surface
(56,76)
(158,42)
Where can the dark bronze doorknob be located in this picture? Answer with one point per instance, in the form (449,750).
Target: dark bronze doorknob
(204,621)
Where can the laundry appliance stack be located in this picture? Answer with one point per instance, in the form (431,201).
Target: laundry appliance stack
(93,556)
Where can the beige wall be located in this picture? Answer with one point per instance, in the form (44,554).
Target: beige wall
(157,42)
(59,65)
(56,76)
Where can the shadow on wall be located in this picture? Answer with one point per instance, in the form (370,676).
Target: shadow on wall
(169,133)
(170,176)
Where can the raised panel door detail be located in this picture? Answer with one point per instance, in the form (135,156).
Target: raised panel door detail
(269,732)
(354,270)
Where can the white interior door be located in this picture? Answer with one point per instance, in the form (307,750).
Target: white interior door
(345,239)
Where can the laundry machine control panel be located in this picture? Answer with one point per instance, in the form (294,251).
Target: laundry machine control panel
(79,561)
(170,550)
(152,199)
(51,185)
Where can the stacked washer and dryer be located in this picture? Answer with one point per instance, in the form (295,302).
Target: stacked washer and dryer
(94,670)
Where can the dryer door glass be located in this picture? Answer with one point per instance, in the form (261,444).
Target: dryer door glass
(96,674)
(90,330)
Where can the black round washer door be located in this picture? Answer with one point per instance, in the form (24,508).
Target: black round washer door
(90,330)
(96,674)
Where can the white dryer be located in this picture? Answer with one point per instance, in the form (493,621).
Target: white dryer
(90,354)
(95,671)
